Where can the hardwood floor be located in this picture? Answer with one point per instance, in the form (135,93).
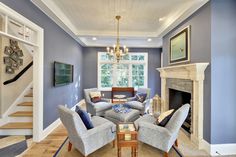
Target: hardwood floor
(49,146)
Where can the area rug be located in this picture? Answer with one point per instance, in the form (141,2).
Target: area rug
(11,146)
(144,150)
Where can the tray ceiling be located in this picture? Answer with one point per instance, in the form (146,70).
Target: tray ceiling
(141,19)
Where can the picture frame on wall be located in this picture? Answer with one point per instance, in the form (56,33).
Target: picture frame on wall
(180,47)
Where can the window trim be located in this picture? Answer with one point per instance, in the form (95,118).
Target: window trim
(129,62)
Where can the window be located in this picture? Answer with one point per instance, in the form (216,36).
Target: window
(130,72)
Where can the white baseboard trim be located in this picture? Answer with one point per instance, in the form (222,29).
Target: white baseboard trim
(50,128)
(205,146)
(57,122)
(223,149)
(80,103)
(219,149)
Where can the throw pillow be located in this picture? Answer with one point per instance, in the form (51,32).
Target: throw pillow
(140,97)
(96,99)
(164,118)
(77,108)
(84,117)
(95,96)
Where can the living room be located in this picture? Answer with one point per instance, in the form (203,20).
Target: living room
(84,36)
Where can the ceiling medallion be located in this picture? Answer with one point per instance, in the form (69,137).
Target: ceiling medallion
(117,52)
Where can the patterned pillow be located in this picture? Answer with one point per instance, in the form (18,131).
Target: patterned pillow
(141,97)
(164,118)
(95,96)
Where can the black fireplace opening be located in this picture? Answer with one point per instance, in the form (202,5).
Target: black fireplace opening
(176,100)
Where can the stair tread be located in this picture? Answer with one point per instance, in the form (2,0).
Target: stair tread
(18,125)
(29,95)
(22,114)
(25,104)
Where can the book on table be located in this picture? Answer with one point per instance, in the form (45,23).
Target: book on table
(126,128)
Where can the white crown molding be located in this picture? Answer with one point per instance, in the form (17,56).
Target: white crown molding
(60,15)
(131,42)
(113,34)
(178,19)
(57,15)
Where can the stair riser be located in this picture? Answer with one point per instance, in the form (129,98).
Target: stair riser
(16,132)
(28,99)
(24,108)
(20,119)
(29,94)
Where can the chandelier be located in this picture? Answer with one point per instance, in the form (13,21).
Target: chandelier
(117,51)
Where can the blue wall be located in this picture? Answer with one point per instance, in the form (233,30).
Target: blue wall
(213,38)
(200,51)
(223,43)
(58,46)
(90,68)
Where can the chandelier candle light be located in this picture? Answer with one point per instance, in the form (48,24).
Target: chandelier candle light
(117,50)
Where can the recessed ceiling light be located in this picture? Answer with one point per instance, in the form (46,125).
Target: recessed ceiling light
(94,38)
(161,19)
(149,39)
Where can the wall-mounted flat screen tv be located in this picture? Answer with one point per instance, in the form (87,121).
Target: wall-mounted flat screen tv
(63,74)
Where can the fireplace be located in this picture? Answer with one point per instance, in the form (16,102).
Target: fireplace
(176,99)
(188,78)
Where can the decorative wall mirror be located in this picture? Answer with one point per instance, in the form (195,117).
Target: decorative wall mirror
(13,59)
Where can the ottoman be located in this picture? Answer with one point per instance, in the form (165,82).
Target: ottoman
(122,117)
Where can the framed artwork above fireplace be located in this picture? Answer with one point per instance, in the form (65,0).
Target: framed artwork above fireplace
(180,47)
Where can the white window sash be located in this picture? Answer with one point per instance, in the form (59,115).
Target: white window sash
(129,62)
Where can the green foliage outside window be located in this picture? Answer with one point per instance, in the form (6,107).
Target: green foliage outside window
(129,72)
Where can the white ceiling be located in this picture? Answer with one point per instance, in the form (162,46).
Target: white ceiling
(140,19)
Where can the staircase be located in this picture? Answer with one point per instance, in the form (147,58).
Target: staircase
(20,120)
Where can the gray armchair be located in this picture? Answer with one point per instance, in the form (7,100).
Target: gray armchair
(96,109)
(159,137)
(87,141)
(142,107)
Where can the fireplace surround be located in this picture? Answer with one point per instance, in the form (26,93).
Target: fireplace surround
(191,76)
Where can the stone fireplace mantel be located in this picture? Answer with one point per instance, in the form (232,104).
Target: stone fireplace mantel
(193,71)
(196,73)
